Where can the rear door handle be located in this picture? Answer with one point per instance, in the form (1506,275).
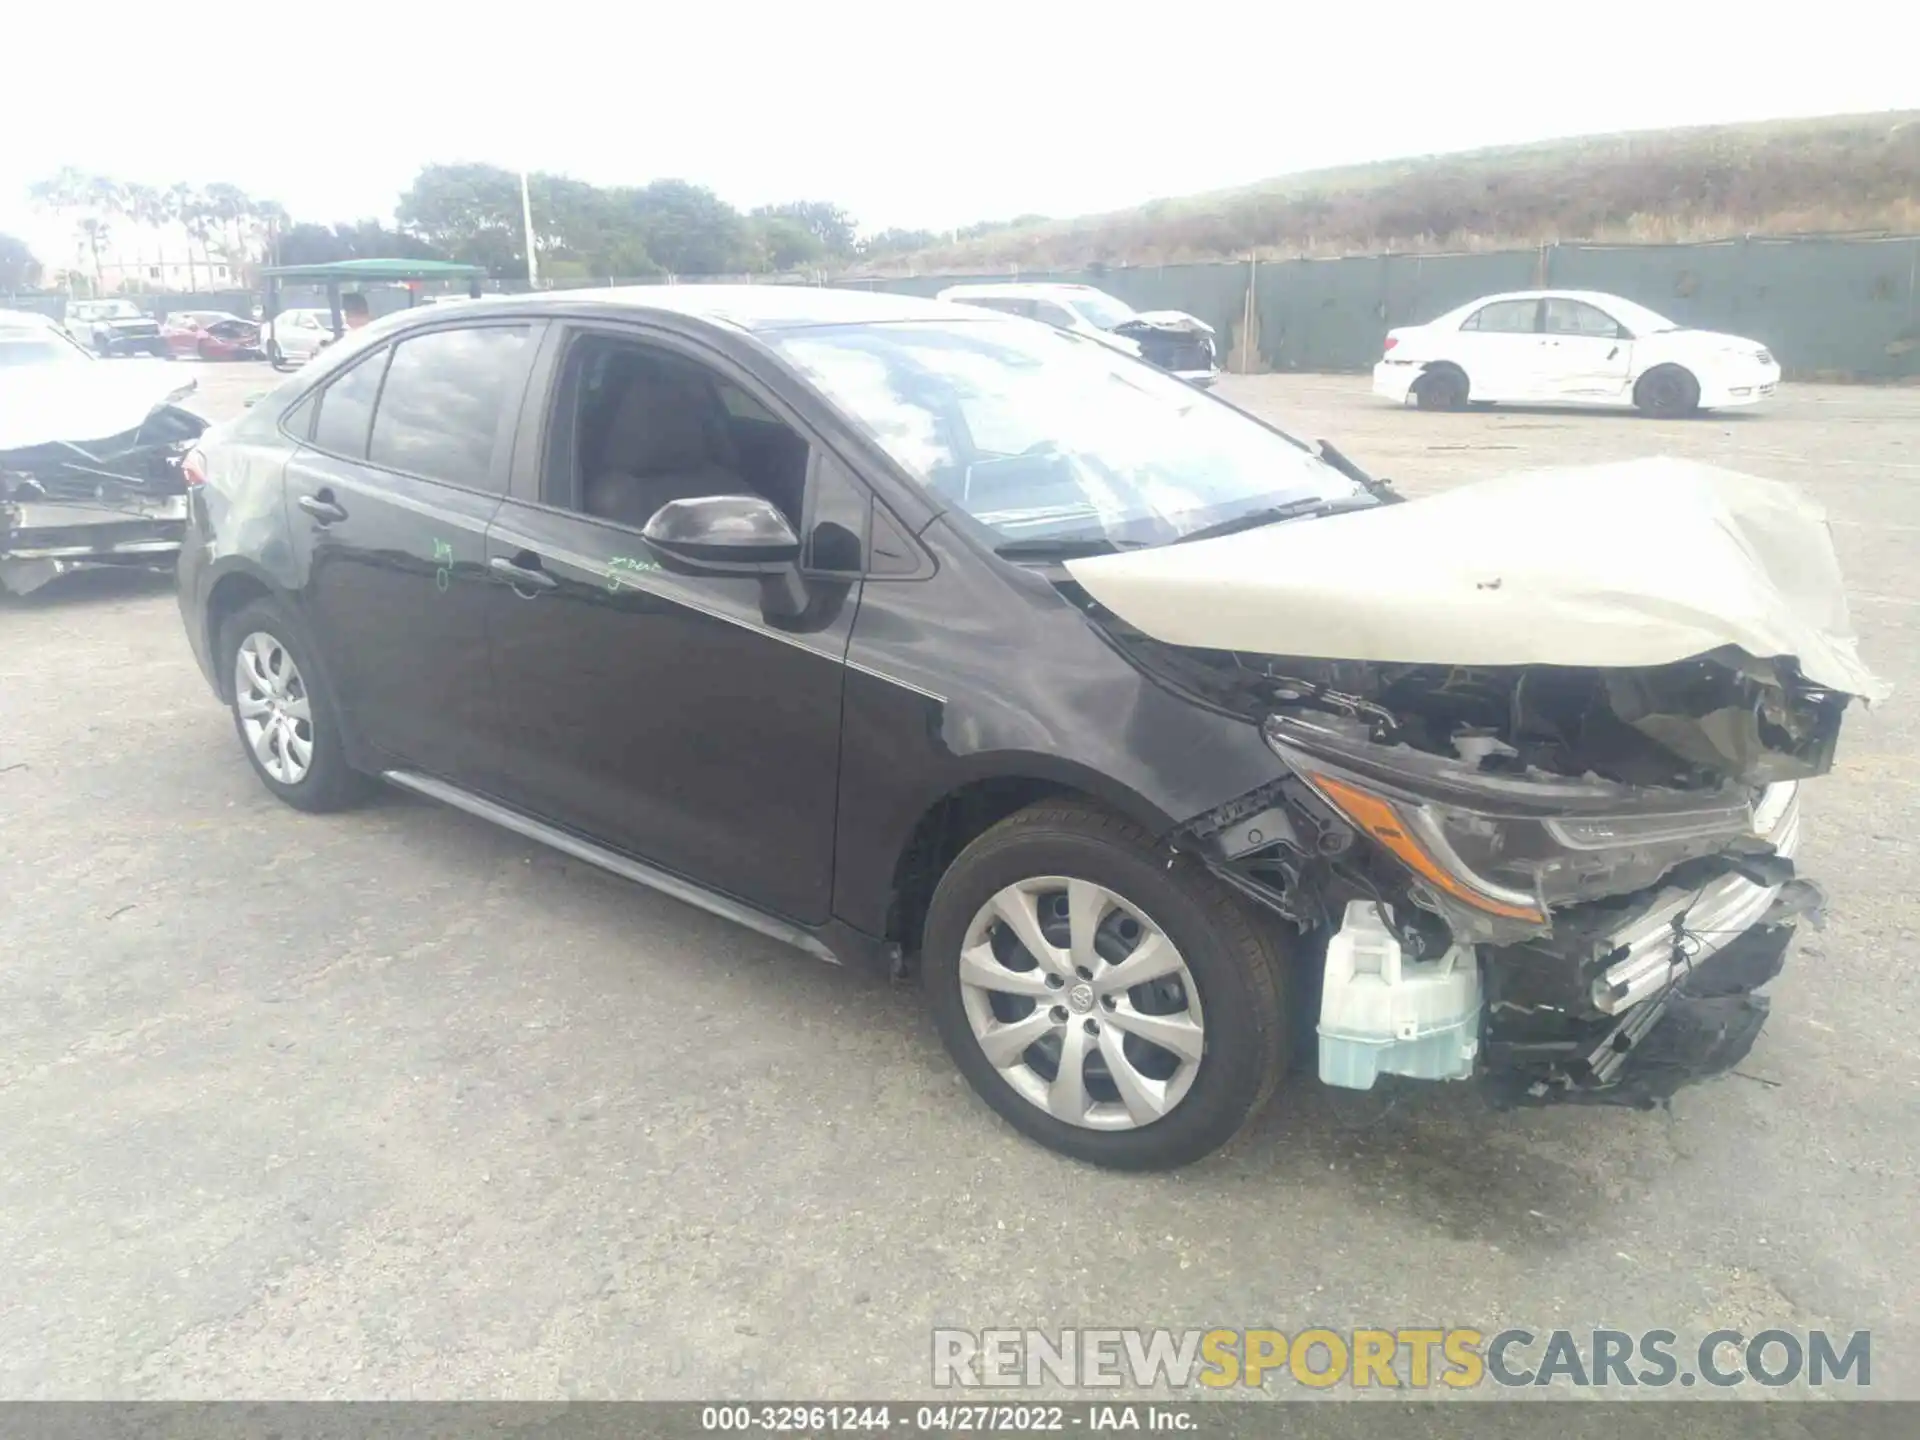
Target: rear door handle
(322,507)
(522,571)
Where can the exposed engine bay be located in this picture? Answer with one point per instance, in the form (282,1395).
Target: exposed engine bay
(1693,725)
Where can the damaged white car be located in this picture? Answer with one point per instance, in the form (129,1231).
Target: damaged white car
(90,457)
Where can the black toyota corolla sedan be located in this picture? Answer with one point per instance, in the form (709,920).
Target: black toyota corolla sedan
(1153,741)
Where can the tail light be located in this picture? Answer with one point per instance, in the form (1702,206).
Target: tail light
(1392,340)
(193,467)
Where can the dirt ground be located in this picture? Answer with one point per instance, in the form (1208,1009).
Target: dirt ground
(392,1104)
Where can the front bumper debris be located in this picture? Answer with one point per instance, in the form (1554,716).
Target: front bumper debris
(40,542)
(1701,1027)
(1623,1000)
(119,501)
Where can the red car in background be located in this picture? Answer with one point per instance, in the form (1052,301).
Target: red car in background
(211,335)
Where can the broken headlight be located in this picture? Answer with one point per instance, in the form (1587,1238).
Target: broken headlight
(1496,853)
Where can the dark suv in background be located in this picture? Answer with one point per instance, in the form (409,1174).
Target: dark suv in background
(787,602)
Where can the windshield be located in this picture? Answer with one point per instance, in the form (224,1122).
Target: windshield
(1638,318)
(1043,436)
(1102,309)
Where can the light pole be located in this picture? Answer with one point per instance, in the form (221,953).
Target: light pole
(526,220)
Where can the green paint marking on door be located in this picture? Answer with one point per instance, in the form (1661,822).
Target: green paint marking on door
(442,557)
(620,567)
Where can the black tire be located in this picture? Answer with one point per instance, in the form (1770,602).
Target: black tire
(1234,959)
(1441,387)
(1669,392)
(329,783)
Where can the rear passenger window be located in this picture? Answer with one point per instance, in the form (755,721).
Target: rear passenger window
(448,400)
(1505,317)
(346,406)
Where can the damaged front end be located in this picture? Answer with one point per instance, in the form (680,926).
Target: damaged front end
(1568,881)
(89,501)
(1174,341)
(1543,739)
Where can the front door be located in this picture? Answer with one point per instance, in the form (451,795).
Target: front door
(1590,353)
(389,500)
(689,719)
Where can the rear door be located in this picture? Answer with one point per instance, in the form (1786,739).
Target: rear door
(1589,353)
(1499,346)
(405,462)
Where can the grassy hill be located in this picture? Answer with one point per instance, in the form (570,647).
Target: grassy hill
(1845,173)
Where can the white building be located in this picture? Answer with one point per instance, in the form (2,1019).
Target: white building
(148,258)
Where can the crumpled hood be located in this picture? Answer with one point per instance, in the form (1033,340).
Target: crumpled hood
(1639,563)
(78,402)
(1176,322)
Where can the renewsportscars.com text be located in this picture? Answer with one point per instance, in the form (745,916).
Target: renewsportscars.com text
(1414,1358)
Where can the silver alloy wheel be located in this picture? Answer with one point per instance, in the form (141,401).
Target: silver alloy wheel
(1061,1015)
(275,713)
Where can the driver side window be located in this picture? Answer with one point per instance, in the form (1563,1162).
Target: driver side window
(637,426)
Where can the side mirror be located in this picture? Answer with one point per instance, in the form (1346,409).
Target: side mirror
(735,534)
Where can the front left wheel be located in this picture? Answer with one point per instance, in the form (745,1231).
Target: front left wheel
(1116,1004)
(285,720)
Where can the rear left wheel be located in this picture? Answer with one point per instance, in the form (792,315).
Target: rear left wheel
(1441,387)
(1117,1008)
(285,720)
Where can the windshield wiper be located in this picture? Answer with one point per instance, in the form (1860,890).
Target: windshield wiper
(1274,514)
(1064,548)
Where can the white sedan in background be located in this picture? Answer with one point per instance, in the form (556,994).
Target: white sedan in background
(1570,347)
(294,337)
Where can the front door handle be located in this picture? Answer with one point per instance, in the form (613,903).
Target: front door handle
(322,507)
(522,571)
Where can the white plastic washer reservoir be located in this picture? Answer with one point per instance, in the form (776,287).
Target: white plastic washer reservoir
(1383,1013)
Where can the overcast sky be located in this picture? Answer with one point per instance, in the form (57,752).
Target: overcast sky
(910,115)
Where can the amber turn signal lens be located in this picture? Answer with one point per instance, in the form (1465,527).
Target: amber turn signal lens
(1377,818)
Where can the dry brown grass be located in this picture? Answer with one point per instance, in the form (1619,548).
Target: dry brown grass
(1840,174)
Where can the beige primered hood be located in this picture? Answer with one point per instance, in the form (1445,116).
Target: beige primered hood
(1644,562)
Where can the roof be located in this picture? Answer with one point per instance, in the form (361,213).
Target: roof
(1597,297)
(743,307)
(379,270)
(1019,287)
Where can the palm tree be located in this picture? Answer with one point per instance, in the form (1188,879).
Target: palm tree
(96,233)
(145,208)
(197,219)
(270,222)
(228,207)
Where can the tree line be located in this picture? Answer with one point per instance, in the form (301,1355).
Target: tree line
(472,213)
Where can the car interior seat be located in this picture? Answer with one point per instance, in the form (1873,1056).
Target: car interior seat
(666,439)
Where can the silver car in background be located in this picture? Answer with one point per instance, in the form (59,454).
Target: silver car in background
(1173,340)
(294,337)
